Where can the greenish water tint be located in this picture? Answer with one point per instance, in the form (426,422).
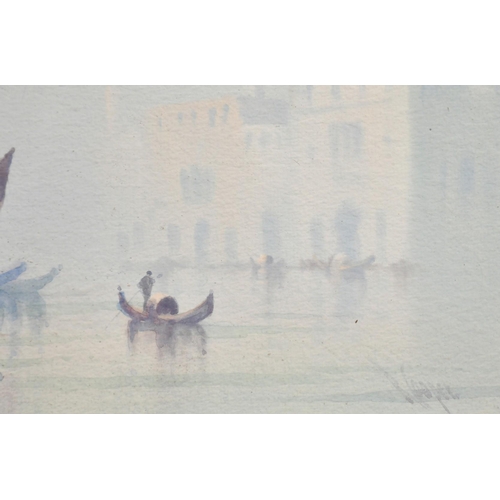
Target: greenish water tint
(312,344)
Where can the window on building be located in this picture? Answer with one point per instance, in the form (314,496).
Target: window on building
(346,225)
(346,141)
(212,113)
(225,113)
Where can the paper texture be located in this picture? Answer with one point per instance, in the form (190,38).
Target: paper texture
(348,233)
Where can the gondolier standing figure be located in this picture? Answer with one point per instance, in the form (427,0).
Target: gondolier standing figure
(146,285)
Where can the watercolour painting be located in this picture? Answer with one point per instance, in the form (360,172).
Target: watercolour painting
(249,249)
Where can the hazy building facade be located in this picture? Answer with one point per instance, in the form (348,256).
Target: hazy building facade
(289,171)
(455,184)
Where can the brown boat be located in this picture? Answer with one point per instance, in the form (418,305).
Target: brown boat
(150,320)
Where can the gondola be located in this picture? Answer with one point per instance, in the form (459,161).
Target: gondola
(29,286)
(316,263)
(150,320)
(13,274)
(357,266)
(267,265)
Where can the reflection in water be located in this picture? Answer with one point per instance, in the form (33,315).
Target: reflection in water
(269,269)
(272,273)
(169,336)
(346,223)
(350,294)
(402,271)
(295,350)
(20,300)
(8,308)
(9,311)
(194,335)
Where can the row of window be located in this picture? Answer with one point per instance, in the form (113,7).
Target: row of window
(335,91)
(466,177)
(212,116)
(346,140)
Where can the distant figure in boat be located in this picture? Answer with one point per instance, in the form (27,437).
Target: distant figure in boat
(266,260)
(265,263)
(146,285)
(163,304)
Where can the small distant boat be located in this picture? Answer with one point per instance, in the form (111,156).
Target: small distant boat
(151,321)
(355,266)
(267,264)
(30,286)
(4,173)
(315,263)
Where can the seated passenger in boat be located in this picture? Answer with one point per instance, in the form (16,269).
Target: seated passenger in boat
(162,304)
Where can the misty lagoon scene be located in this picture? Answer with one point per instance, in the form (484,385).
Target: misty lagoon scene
(327,249)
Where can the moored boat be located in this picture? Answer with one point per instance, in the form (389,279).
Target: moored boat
(346,265)
(267,265)
(13,274)
(316,263)
(151,320)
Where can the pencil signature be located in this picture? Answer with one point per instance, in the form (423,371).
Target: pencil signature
(416,391)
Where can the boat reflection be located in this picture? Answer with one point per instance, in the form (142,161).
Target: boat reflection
(268,269)
(169,337)
(20,301)
(191,335)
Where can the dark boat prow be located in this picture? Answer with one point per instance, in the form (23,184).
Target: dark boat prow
(5,163)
